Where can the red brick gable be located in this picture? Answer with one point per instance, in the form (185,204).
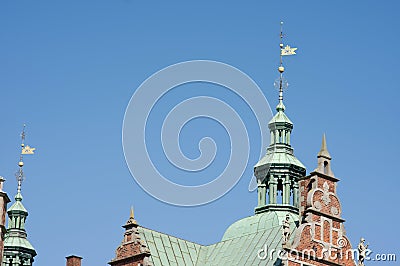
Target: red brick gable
(133,250)
(320,238)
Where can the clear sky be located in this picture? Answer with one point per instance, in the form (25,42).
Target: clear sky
(69,68)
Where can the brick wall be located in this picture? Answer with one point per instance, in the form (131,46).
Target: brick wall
(73,260)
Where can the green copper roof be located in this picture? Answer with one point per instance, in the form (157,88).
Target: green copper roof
(17,241)
(169,250)
(257,223)
(280,106)
(244,239)
(278,157)
(280,117)
(239,246)
(18,206)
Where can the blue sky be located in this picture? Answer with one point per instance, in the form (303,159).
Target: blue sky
(69,68)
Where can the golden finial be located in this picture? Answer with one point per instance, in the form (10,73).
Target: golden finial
(20,163)
(132,216)
(131,219)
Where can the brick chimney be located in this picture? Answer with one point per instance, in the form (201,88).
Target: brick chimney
(73,260)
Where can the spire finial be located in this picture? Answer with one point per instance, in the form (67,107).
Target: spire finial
(281,83)
(132,215)
(281,69)
(20,174)
(23,136)
(131,220)
(323,145)
(324,150)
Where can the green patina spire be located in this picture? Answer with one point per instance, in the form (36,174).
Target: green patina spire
(279,170)
(17,249)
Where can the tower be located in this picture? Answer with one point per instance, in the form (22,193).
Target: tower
(17,249)
(279,170)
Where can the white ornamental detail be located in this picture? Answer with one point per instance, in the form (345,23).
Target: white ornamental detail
(325,198)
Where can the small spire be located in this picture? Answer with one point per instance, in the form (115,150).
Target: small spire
(132,216)
(131,221)
(324,150)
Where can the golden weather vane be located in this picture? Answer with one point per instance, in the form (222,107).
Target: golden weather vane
(25,149)
(287,50)
(281,83)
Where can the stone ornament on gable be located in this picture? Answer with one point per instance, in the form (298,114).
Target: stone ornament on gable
(318,205)
(318,198)
(325,198)
(334,211)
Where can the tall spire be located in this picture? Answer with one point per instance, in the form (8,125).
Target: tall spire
(282,83)
(279,170)
(20,174)
(281,69)
(17,249)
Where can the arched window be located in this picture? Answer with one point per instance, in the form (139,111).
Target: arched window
(326,169)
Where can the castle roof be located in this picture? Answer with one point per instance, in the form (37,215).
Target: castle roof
(279,157)
(240,244)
